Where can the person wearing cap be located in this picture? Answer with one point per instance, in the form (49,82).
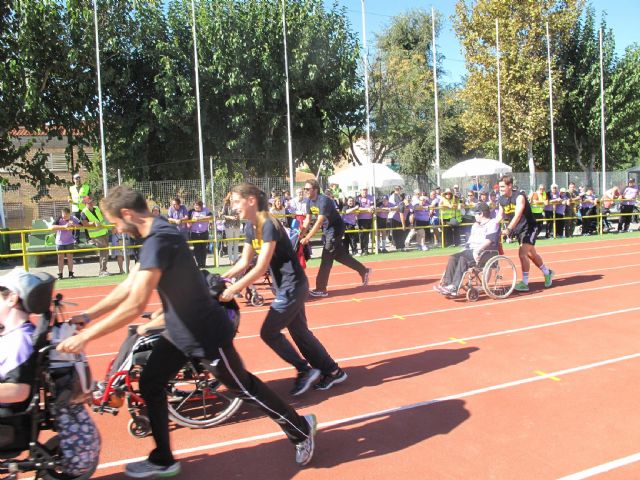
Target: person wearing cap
(92,216)
(485,234)
(514,208)
(629,196)
(77,192)
(17,364)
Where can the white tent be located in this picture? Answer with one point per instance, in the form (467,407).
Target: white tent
(477,167)
(361,176)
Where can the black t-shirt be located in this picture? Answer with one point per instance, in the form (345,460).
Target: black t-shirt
(286,271)
(323,205)
(508,205)
(195,321)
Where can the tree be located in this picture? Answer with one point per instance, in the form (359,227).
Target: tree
(523,68)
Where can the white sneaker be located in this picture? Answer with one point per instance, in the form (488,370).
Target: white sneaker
(304,449)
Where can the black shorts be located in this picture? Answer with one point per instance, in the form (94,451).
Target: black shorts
(62,248)
(528,235)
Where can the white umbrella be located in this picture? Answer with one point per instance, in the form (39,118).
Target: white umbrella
(363,175)
(477,167)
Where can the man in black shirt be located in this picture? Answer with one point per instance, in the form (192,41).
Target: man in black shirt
(328,218)
(197,326)
(514,208)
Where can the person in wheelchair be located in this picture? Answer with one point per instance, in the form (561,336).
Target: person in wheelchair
(485,235)
(31,392)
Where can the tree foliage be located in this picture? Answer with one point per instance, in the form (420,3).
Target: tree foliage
(523,68)
(147,69)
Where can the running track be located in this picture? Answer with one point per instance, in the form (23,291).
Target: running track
(542,385)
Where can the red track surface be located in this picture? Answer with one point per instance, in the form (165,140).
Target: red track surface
(438,389)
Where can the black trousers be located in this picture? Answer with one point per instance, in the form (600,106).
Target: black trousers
(457,265)
(548,215)
(287,311)
(364,224)
(625,220)
(200,249)
(350,239)
(163,365)
(589,225)
(397,234)
(334,250)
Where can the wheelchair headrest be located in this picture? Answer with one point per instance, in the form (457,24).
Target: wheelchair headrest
(34,289)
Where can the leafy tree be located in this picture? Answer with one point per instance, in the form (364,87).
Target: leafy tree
(523,68)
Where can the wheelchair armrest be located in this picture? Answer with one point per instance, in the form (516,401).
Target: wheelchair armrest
(485,256)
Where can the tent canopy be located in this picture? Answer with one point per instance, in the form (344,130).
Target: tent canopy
(361,176)
(477,167)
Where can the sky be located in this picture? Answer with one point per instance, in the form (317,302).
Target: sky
(622,16)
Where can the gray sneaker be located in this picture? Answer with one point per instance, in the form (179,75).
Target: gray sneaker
(304,449)
(304,380)
(146,469)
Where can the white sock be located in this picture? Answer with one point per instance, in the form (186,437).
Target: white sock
(544,269)
(525,278)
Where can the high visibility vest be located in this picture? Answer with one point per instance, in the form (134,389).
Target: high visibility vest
(537,207)
(97,218)
(77,194)
(447,211)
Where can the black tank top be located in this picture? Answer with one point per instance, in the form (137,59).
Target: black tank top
(508,205)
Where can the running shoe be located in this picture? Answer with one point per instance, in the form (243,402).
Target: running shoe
(304,380)
(365,277)
(548,279)
(318,293)
(330,379)
(147,469)
(521,287)
(304,449)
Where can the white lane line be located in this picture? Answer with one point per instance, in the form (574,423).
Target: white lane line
(468,339)
(605,467)
(442,310)
(388,411)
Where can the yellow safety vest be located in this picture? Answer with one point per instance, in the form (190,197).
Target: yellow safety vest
(77,195)
(447,209)
(535,207)
(97,218)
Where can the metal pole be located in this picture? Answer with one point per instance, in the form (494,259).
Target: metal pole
(366,99)
(102,149)
(553,147)
(292,172)
(124,238)
(499,111)
(435,92)
(197,68)
(3,221)
(602,127)
(216,260)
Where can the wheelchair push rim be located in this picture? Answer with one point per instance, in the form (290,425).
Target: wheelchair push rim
(499,277)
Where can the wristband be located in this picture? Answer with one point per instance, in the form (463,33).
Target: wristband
(86,318)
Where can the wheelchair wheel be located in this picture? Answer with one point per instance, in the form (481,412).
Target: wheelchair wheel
(139,426)
(473,294)
(499,277)
(53,445)
(198,400)
(257,300)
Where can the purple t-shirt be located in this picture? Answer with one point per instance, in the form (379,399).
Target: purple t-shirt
(629,194)
(365,202)
(16,347)
(200,227)
(179,214)
(422,215)
(65,237)
(348,218)
(560,207)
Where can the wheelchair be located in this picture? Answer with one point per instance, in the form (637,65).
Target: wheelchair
(21,449)
(195,399)
(494,274)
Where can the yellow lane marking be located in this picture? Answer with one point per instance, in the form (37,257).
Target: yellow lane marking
(461,342)
(398,316)
(356,299)
(544,374)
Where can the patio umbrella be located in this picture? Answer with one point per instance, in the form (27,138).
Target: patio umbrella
(361,176)
(477,167)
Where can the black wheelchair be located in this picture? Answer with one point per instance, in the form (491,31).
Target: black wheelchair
(494,274)
(21,449)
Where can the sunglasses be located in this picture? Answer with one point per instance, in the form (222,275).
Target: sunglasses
(307,189)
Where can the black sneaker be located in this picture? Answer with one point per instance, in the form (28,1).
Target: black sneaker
(365,277)
(60,276)
(318,293)
(304,380)
(330,380)
(71,275)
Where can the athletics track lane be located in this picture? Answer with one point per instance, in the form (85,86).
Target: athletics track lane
(412,382)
